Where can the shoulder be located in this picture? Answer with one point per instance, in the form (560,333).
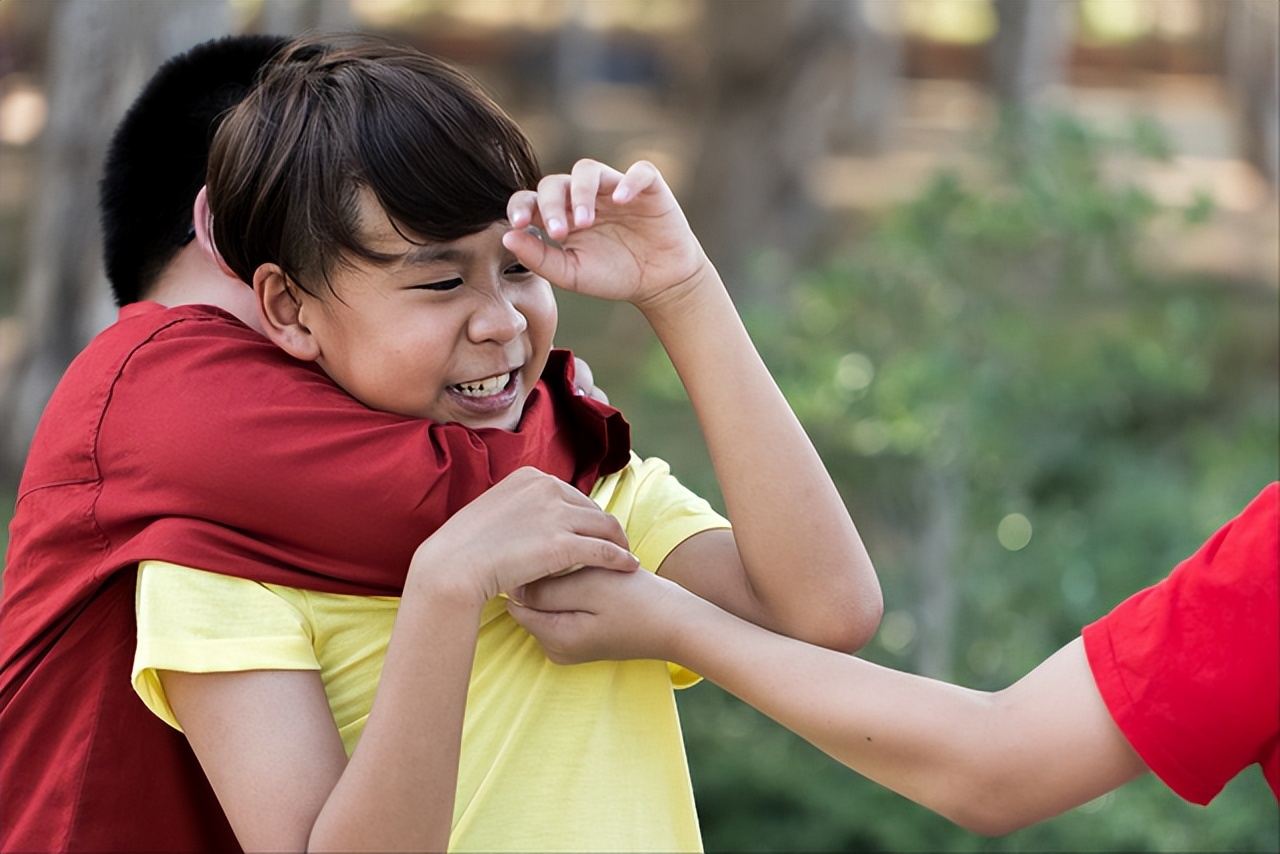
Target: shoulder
(101,378)
(1190,667)
(1237,567)
(642,481)
(656,510)
(1241,561)
(197,362)
(150,343)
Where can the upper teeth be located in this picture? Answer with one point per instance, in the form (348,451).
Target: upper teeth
(480,388)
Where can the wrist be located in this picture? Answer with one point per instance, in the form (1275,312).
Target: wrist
(684,297)
(685,615)
(437,578)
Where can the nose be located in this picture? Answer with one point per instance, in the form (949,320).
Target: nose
(496,318)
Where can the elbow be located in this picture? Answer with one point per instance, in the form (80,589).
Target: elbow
(864,623)
(851,626)
(862,611)
(988,798)
(986,822)
(984,819)
(867,611)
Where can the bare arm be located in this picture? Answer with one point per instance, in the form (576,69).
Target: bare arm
(992,762)
(798,565)
(794,561)
(267,740)
(269,745)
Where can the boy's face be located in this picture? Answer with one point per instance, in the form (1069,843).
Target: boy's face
(455,331)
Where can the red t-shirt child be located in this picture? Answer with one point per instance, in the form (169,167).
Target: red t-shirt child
(182,435)
(1190,668)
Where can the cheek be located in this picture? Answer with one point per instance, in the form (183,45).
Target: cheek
(542,314)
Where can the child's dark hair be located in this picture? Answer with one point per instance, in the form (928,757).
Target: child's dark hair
(335,116)
(156,162)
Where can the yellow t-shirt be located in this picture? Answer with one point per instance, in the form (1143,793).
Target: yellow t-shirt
(582,758)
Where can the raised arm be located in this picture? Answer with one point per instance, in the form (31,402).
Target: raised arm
(794,561)
(991,762)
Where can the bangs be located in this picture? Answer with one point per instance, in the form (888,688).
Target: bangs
(440,173)
(337,118)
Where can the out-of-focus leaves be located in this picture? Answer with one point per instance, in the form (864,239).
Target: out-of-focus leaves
(998,352)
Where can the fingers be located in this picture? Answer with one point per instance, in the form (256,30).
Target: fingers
(568,202)
(572,528)
(593,615)
(641,177)
(583,379)
(584,185)
(556,631)
(560,614)
(569,592)
(564,203)
(584,382)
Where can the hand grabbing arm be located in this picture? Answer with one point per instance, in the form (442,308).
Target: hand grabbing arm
(991,762)
(267,740)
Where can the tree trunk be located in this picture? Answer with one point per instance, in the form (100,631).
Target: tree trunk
(99,57)
(289,17)
(936,594)
(773,93)
(1027,54)
(874,40)
(1252,74)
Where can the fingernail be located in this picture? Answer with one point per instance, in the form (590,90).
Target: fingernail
(581,216)
(555,225)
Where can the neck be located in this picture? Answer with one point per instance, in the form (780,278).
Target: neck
(191,279)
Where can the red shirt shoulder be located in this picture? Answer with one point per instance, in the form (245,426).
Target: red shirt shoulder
(1190,667)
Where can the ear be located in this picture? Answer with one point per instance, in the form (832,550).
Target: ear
(280,309)
(202,219)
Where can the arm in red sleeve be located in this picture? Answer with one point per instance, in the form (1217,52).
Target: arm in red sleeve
(1190,668)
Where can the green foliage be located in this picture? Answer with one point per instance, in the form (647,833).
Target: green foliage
(1029,422)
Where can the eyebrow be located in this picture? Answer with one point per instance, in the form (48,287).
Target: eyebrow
(431,252)
(422,254)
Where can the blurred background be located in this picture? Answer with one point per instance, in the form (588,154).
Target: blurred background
(1013,263)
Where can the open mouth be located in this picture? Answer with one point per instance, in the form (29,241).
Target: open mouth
(484,388)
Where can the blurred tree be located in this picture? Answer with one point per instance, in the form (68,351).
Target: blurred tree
(1252,58)
(872,87)
(779,83)
(296,16)
(99,57)
(1030,421)
(1029,51)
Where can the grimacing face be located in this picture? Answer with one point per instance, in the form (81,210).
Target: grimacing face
(454,332)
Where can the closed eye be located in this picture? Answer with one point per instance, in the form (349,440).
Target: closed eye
(516,270)
(446,285)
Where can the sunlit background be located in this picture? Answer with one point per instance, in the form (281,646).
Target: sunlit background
(1014,264)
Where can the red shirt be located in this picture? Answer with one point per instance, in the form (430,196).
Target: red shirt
(1190,668)
(182,435)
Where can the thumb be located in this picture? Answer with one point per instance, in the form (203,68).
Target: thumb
(555,630)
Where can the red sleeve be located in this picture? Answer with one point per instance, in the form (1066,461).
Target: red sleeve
(222,452)
(1190,668)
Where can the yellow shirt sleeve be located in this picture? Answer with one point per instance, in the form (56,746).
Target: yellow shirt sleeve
(657,513)
(194,621)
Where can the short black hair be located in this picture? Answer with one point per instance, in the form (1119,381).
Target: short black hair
(155,165)
(335,116)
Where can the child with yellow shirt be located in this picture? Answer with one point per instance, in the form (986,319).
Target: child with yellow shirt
(397,235)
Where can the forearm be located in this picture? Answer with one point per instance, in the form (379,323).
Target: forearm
(917,737)
(989,762)
(804,559)
(398,789)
